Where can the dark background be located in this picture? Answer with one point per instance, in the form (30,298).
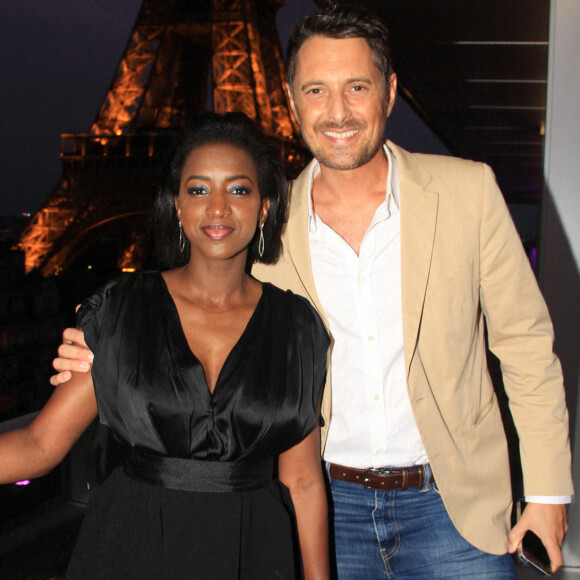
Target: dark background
(57,60)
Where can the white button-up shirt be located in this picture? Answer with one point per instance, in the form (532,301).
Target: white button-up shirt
(372,421)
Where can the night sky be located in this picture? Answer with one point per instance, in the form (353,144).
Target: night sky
(57,60)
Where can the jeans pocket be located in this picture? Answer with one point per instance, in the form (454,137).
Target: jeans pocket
(434,488)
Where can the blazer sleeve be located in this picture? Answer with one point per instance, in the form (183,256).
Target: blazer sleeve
(520,334)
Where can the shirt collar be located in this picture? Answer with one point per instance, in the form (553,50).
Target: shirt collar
(391,187)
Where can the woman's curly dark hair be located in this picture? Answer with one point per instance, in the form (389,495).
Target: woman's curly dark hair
(238,130)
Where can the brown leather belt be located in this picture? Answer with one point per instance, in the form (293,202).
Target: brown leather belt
(379,478)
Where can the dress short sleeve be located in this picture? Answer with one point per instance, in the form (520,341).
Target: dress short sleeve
(90,315)
(314,341)
(292,347)
(114,321)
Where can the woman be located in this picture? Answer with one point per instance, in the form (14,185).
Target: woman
(207,376)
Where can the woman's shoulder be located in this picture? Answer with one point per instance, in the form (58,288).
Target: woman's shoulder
(132,280)
(298,308)
(129,294)
(123,287)
(286,297)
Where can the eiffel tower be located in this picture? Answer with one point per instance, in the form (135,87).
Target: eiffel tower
(183,56)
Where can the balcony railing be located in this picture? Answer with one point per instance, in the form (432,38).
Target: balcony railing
(138,145)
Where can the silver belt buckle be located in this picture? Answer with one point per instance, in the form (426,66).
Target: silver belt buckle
(380,471)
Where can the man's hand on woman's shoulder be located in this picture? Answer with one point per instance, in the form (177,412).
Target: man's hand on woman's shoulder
(73,355)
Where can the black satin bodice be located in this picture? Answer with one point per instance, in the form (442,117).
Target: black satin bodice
(151,390)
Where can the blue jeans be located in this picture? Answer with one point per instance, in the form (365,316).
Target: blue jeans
(404,534)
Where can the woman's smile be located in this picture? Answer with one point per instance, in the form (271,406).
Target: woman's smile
(217,231)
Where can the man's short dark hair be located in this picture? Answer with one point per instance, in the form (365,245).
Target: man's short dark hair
(344,21)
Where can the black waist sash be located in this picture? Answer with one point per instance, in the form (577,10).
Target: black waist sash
(198,475)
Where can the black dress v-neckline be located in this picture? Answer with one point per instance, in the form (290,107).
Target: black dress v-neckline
(242,340)
(151,390)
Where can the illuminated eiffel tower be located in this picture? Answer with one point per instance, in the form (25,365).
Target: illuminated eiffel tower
(183,56)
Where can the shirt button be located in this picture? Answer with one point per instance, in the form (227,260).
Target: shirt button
(371,337)
(376,397)
(361,279)
(380,451)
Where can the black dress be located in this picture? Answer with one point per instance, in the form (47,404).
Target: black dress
(196,498)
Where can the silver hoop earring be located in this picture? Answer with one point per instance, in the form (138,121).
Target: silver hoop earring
(181,239)
(261,242)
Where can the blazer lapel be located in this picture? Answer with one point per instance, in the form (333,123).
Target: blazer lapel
(418,224)
(296,237)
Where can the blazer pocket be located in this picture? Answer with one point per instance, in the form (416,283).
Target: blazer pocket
(486,412)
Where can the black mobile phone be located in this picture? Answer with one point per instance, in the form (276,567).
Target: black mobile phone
(531,552)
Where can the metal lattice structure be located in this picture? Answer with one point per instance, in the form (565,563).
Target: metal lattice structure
(181,55)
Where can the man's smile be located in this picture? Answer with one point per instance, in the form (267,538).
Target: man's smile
(341,135)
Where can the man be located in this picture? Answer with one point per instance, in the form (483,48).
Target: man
(403,255)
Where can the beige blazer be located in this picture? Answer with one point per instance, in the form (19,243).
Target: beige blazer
(462,260)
